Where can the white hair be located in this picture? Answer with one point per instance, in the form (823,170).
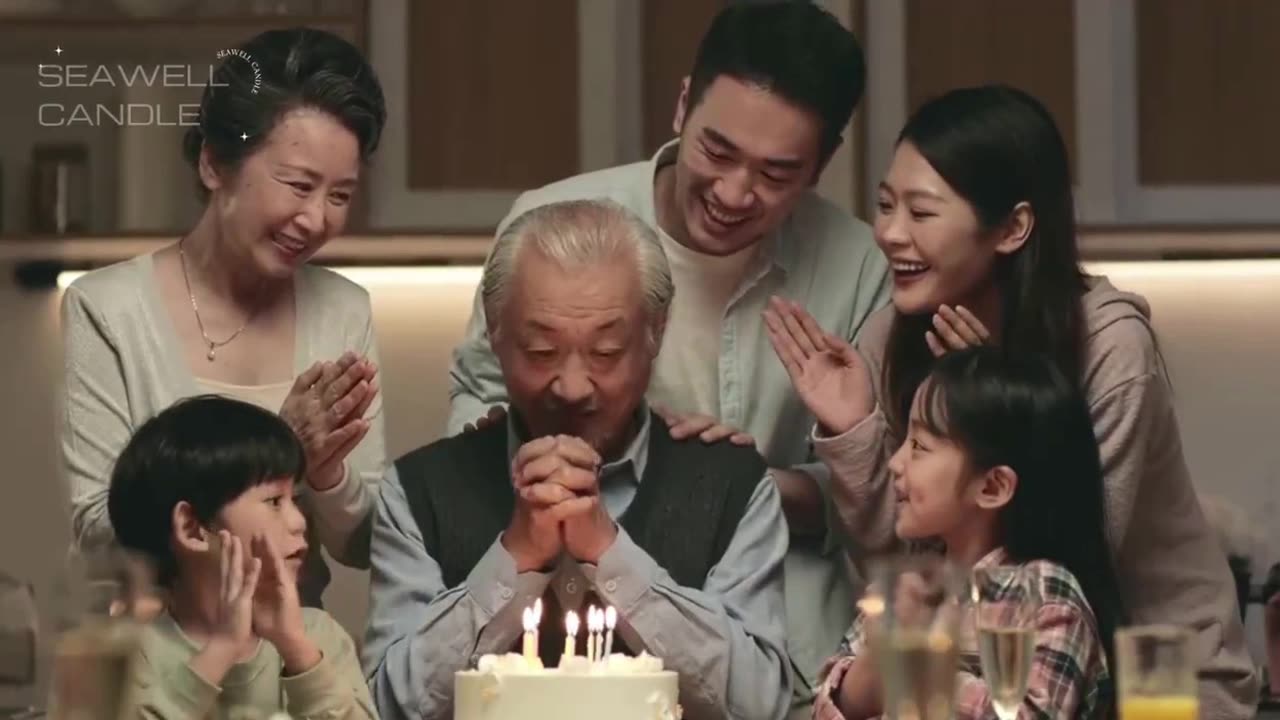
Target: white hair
(578,234)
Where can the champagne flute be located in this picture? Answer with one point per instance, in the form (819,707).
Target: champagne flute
(18,624)
(1006,600)
(102,599)
(914,613)
(1156,673)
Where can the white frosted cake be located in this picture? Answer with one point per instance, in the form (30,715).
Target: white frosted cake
(510,687)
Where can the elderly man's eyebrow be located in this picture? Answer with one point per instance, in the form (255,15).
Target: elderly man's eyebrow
(611,323)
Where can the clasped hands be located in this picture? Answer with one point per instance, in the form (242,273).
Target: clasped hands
(326,408)
(558,507)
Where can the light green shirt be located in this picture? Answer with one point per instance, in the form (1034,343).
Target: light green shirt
(821,257)
(166,688)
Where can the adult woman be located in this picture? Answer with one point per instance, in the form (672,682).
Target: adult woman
(231,308)
(976,217)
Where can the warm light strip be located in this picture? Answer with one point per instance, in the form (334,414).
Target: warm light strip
(369,276)
(1161,269)
(470,274)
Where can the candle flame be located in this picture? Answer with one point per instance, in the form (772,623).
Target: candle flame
(528,620)
(610,617)
(537,611)
(871,605)
(571,623)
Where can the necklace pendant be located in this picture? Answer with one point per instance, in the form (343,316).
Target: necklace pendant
(211,355)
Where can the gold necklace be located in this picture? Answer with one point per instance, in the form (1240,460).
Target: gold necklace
(213,344)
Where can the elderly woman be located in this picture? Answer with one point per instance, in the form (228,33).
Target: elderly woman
(232,308)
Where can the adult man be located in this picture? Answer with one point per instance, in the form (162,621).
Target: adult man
(580,495)
(772,88)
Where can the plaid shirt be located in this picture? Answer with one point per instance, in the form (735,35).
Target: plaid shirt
(1069,676)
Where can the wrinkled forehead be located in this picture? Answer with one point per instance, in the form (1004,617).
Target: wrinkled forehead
(606,285)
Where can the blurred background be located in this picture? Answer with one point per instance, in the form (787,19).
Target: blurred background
(1168,107)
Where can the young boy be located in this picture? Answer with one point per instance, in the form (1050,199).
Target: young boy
(205,491)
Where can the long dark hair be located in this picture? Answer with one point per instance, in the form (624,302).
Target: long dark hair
(1018,409)
(997,147)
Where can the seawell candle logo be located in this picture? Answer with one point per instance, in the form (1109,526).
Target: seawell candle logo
(69,76)
(253,65)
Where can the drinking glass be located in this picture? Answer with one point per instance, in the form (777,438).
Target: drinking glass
(18,624)
(101,600)
(1006,599)
(1156,673)
(913,614)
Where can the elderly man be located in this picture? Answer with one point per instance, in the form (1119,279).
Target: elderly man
(769,93)
(580,496)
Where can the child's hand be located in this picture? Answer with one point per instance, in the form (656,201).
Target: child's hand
(915,601)
(232,632)
(277,611)
(235,592)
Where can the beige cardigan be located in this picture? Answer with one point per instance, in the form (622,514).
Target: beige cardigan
(1170,567)
(124,365)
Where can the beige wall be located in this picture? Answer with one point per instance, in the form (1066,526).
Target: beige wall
(1215,321)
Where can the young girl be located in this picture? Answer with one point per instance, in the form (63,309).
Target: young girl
(1001,465)
(976,217)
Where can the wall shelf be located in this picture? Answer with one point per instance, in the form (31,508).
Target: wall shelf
(1179,243)
(49,255)
(411,247)
(36,260)
(92,40)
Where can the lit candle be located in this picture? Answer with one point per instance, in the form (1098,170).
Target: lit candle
(571,635)
(610,620)
(592,651)
(537,622)
(599,633)
(530,648)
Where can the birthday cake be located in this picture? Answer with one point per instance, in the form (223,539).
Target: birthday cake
(581,687)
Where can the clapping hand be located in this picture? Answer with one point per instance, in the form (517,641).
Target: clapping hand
(277,611)
(826,371)
(326,408)
(955,329)
(238,582)
(231,634)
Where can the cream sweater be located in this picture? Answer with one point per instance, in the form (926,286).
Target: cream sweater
(124,365)
(1170,566)
(164,687)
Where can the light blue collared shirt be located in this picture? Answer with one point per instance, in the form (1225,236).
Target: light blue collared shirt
(726,639)
(821,257)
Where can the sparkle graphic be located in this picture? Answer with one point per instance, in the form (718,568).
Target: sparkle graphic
(243,137)
(58,50)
